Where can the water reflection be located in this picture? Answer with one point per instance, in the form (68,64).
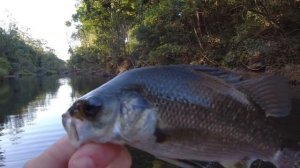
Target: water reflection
(30,114)
(16,94)
(83,84)
(19,117)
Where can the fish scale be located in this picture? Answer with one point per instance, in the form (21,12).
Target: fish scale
(167,114)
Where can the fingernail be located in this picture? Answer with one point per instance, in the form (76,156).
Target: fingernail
(82,162)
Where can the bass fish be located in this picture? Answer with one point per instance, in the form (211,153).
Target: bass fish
(188,113)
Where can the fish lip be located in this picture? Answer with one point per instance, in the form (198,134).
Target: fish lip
(74,131)
(71,129)
(64,120)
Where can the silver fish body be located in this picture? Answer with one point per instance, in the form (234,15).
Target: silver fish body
(190,113)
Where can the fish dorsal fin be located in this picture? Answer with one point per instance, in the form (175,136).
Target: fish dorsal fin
(270,92)
(226,75)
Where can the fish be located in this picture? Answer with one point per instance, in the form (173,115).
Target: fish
(185,114)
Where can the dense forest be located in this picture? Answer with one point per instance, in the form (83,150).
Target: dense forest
(231,33)
(22,55)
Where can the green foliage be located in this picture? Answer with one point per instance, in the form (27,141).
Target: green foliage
(221,33)
(4,64)
(22,55)
(51,64)
(2,73)
(105,25)
(4,67)
(85,58)
(167,54)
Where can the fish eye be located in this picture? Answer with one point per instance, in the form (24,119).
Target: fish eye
(91,111)
(82,109)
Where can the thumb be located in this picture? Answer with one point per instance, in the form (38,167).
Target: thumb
(100,156)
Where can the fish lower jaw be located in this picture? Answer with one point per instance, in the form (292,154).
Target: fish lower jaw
(73,135)
(76,131)
(75,143)
(82,134)
(71,130)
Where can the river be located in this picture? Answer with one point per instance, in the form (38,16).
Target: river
(30,114)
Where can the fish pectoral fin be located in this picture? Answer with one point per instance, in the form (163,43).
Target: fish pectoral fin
(191,163)
(271,93)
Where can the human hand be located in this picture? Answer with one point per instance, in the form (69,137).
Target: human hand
(64,155)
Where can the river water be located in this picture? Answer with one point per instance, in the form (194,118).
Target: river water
(30,114)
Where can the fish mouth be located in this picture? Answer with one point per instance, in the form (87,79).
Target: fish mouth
(83,131)
(71,129)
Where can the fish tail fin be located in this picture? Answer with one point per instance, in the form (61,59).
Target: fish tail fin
(287,158)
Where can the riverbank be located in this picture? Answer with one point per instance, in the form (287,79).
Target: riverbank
(290,71)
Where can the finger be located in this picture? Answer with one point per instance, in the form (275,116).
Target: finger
(95,156)
(57,155)
(122,160)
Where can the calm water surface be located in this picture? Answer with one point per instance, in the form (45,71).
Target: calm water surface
(30,114)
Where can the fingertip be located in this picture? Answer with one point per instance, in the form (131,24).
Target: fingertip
(95,155)
(123,159)
(82,162)
(57,155)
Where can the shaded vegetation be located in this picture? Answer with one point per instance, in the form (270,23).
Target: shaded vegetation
(232,33)
(82,84)
(22,55)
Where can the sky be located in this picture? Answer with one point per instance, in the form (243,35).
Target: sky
(45,20)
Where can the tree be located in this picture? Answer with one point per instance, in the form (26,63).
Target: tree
(219,33)
(20,54)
